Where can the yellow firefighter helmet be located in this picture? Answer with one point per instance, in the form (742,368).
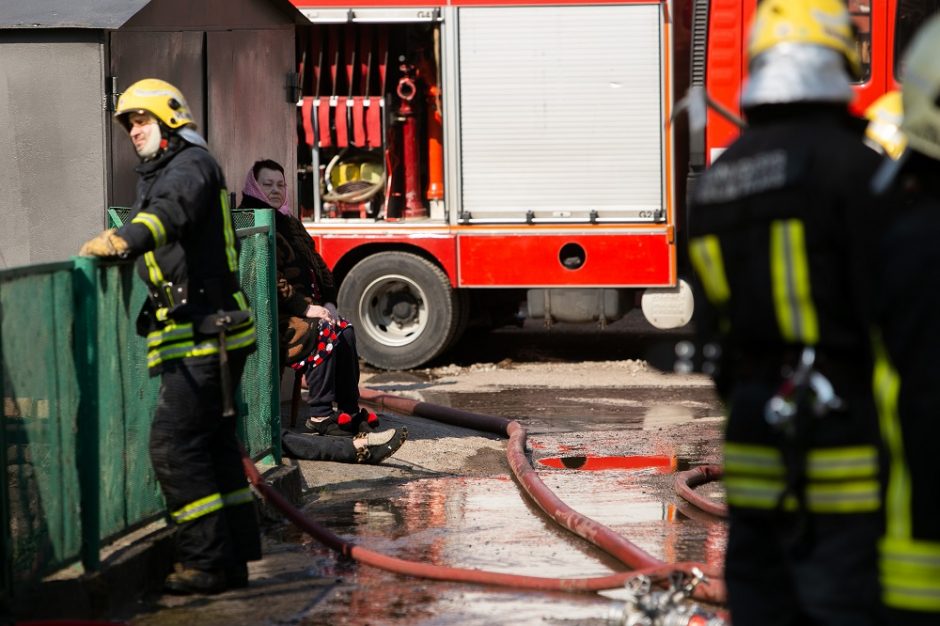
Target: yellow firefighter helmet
(823,23)
(884,125)
(157,97)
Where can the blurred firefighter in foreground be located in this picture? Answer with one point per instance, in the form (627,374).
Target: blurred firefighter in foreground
(908,369)
(199,332)
(781,236)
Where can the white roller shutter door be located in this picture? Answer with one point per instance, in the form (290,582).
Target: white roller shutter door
(561,113)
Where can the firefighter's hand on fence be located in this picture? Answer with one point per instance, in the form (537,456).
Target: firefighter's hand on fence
(315,310)
(106,244)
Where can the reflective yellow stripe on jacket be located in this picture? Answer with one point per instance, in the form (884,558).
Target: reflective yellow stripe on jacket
(790,283)
(154,225)
(910,574)
(910,567)
(839,480)
(228,231)
(176,340)
(234,340)
(705,254)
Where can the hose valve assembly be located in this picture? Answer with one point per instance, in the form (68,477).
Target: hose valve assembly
(645,607)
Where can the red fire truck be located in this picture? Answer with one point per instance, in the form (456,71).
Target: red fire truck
(487,160)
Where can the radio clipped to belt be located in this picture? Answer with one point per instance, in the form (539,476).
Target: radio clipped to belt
(803,388)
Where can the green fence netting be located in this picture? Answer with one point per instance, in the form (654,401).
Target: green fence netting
(77,403)
(41,402)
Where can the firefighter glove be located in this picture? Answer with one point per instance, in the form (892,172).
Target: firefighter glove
(106,244)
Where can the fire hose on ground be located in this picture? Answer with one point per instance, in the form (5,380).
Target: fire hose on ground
(710,590)
(595,533)
(687,481)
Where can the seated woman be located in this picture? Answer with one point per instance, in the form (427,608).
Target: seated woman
(315,340)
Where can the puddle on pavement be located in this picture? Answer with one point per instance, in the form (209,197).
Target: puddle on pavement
(487,524)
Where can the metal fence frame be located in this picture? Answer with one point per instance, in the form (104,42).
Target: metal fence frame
(84,341)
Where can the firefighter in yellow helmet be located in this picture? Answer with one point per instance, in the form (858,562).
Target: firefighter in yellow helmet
(781,235)
(196,321)
(908,367)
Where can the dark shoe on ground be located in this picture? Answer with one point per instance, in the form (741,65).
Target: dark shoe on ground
(189,581)
(367,420)
(383,444)
(343,423)
(336,424)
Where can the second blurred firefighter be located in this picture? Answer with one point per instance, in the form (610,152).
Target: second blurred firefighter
(908,368)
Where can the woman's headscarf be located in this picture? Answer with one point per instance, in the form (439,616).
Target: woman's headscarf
(253,189)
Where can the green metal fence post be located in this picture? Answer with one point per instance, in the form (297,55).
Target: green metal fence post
(86,352)
(266,218)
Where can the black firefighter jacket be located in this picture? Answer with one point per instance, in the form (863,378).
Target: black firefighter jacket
(181,230)
(781,238)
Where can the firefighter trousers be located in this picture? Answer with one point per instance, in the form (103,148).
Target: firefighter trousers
(196,457)
(805,512)
(336,379)
(791,569)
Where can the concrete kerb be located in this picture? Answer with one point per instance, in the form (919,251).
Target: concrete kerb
(130,567)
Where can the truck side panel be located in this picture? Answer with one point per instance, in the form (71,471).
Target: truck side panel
(565,260)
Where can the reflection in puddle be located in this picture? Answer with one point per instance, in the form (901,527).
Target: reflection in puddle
(485,523)
(601,463)
(661,415)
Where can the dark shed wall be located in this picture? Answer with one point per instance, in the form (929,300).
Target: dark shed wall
(52,151)
(173,56)
(207,15)
(230,58)
(249,115)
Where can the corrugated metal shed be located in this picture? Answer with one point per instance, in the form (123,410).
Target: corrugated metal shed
(103,14)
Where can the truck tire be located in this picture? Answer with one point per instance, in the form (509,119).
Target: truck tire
(403,308)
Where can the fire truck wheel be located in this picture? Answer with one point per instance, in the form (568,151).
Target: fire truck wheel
(403,308)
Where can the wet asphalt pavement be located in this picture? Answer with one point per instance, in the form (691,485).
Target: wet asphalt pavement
(479,517)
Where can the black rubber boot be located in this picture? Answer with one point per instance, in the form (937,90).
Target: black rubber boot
(236,576)
(190,581)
